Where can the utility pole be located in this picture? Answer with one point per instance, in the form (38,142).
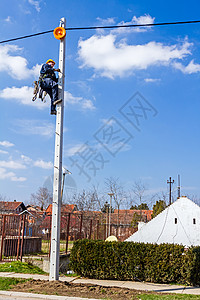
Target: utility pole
(170,182)
(59,33)
(179,186)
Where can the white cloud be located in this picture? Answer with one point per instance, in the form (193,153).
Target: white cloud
(3,152)
(4,174)
(82,103)
(16,66)
(189,69)
(26,159)
(42,164)
(6,144)
(108,21)
(146,19)
(110,122)
(23,96)
(34,127)
(12,164)
(73,150)
(8,19)
(151,80)
(20,179)
(36,4)
(110,59)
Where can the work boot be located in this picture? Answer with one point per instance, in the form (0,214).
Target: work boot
(57,101)
(53,112)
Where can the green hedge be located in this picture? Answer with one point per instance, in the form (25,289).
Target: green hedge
(165,263)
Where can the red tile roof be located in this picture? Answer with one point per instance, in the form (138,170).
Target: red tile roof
(66,208)
(10,206)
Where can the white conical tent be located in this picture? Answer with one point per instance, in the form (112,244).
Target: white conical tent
(179,224)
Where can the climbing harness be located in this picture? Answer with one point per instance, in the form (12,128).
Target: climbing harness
(35,90)
(38,91)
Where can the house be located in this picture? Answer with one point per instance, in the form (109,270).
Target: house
(125,216)
(179,223)
(34,214)
(8,207)
(65,208)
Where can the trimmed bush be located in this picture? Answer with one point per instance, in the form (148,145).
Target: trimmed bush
(165,263)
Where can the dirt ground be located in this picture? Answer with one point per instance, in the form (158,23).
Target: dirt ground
(77,290)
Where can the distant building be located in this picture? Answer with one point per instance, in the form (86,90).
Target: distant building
(34,214)
(179,223)
(8,207)
(125,216)
(65,208)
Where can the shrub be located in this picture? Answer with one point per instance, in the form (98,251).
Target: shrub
(165,263)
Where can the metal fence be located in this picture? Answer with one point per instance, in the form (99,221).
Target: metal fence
(21,235)
(88,225)
(17,237)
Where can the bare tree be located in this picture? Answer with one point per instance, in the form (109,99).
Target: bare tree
(42,198)
(139,189)
(114,186)
(2,198)
(98,198)
(87,200)
(163,195)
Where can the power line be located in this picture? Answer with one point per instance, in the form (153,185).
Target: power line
(102,27)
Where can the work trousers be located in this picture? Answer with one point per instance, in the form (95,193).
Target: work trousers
(51,87)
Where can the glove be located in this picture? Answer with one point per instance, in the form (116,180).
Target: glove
(57,70)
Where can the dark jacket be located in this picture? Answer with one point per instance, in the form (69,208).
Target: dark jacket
(47,72)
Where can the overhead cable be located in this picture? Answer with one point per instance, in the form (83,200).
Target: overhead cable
(102,27)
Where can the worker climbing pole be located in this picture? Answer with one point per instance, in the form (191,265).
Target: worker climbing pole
(47,84)
(59,34)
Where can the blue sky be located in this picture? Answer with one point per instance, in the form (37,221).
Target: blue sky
(111,75)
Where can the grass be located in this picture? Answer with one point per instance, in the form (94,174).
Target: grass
(46,245)
(167,297)
(20,267)
(8,283)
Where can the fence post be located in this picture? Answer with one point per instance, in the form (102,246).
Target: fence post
(22,242)
(67,238)
(19,235)
(90,234)
(2,237)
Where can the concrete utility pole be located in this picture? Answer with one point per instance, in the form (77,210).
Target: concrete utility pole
(56,207)
(170,181)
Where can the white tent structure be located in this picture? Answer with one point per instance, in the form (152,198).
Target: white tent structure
(179,224)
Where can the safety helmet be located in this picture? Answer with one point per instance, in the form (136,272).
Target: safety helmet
(50,60)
